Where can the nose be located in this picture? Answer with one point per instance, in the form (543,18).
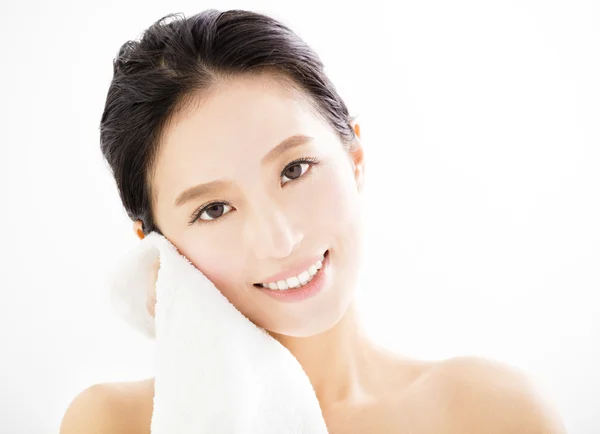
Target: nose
(271,233)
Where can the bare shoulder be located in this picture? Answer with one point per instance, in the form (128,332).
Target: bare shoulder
(472,394)
(111,408)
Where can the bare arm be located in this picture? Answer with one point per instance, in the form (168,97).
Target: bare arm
(96,410)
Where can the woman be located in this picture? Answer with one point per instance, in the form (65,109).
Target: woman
(225,135)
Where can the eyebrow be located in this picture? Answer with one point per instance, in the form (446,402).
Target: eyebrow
(211,187)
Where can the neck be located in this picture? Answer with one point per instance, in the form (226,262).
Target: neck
(338,361)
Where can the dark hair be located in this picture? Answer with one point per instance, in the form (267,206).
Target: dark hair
(155,77)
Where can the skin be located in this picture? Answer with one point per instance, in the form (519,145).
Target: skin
(275,222)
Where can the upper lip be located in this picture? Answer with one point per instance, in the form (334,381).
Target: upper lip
(293,271)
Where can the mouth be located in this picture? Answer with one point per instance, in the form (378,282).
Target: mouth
(294,282)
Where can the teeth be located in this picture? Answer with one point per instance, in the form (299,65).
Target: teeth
(293,282)
(303,277)
(296,281)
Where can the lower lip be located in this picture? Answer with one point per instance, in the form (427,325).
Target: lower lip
(307,291)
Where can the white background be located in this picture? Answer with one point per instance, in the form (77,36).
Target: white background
(480,122)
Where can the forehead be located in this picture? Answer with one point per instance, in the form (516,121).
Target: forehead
(231,128)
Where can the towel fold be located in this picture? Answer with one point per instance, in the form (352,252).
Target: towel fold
(216,371)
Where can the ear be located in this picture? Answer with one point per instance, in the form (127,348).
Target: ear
(139,231)
(357,157)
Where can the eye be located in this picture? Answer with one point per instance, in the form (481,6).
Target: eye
(212,211)
(296,169)
(215,210)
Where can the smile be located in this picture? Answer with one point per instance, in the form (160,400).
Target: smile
(297,281)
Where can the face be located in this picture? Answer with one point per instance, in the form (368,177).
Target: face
(260,203)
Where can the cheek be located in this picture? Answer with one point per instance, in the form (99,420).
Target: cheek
(225,275)
(217,274)
(218,264)
(335,202)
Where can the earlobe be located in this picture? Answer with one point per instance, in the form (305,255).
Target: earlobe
(357,156)
(358,166)
(356,128)
(137,228)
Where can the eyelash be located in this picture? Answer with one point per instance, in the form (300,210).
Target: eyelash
(195,217)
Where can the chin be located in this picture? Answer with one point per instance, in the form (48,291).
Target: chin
(315,321)
(317,314)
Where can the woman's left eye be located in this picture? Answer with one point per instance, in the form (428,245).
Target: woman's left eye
(296,169)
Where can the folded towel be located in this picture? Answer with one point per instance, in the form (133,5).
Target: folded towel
(216,371)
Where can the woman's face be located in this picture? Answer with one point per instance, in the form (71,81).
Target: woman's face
(258,215)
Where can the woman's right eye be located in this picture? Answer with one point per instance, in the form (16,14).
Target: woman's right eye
(212,211)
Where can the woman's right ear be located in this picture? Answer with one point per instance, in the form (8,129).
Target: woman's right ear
(138,229)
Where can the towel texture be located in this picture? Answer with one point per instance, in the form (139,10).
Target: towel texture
(216,371)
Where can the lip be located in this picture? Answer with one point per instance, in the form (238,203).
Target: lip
(313,287)
(291,272)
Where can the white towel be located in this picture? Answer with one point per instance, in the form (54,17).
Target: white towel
(216,371)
